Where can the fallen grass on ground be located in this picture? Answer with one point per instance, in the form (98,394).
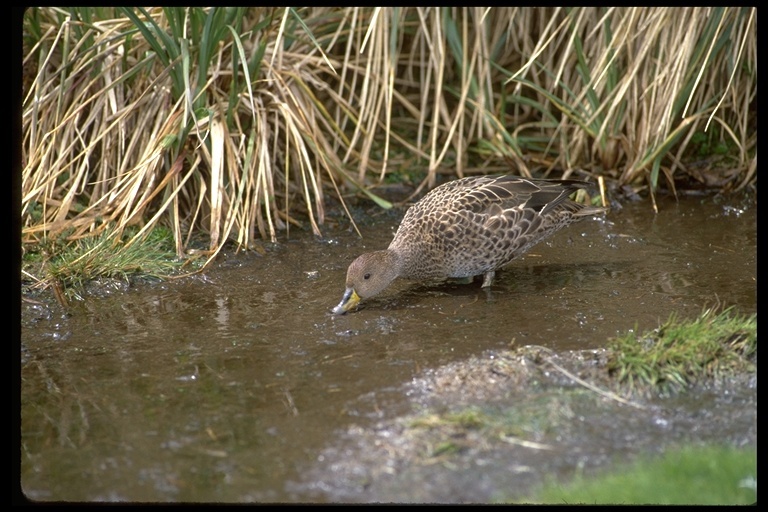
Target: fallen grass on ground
(692,475)
(443,434)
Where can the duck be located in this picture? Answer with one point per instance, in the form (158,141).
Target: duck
(464,228)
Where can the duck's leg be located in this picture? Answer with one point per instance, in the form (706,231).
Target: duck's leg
(488,279)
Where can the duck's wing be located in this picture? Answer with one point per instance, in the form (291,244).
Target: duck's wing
(492,202)
(513,192)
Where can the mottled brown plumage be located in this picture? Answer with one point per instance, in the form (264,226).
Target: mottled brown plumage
(464,228)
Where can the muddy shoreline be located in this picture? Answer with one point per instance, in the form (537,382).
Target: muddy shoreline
(494,427)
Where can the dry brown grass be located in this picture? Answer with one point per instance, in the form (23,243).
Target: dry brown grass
(240,122)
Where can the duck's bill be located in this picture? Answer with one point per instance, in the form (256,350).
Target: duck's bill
(348,301)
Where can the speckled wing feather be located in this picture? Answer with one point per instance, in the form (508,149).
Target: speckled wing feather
(475,225)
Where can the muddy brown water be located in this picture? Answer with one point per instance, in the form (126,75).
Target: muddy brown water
(238,385)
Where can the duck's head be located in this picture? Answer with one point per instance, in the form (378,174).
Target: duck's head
(367,276)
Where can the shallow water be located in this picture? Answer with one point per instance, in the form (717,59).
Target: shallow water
(229,386)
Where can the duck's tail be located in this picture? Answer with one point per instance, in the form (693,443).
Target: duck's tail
(555,194)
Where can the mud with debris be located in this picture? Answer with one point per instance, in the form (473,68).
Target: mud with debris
(493,428)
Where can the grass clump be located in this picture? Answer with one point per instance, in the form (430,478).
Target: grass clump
(679,353)
(68,267)
(693,475)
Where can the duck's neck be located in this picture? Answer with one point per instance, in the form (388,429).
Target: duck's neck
(407,262)
(393,261)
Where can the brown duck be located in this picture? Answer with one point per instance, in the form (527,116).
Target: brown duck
(465,228)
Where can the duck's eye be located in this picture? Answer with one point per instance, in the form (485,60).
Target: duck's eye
(367,276)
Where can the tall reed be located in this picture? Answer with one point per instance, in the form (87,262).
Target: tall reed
(242,122)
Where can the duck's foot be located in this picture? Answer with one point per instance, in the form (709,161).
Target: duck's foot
(488,279)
